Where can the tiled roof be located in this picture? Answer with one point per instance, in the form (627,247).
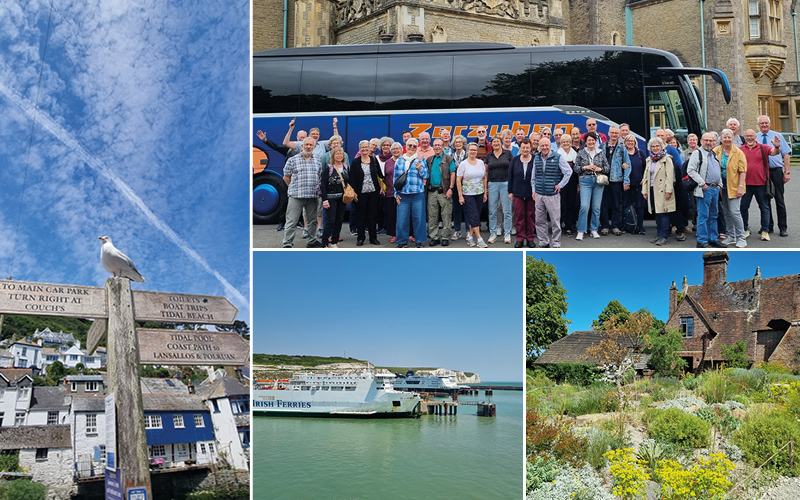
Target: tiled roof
(187,402)
(163,386)
(222,388)
(89,403)
(49,398)
(35,436)
(572,349)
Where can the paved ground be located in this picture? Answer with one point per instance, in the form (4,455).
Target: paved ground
(265,236)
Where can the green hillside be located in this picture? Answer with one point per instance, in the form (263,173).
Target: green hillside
(310,361)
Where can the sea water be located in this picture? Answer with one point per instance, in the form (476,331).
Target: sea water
(433,457)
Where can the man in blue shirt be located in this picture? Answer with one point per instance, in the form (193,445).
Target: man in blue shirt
(778,172)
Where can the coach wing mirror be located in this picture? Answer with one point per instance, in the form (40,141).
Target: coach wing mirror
(717,75)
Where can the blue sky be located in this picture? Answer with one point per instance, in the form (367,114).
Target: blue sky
(640,279)
(461,310)
(141,134)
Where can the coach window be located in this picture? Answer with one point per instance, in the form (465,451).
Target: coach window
(338,84)
(492,80)
(282,93)
(415,82)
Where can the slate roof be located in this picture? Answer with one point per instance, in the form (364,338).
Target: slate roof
(15,374)
(49,398)
(85,378)
(572,348)
(222,388)
(163,386)
(35,436)
(88,403)
(160,402)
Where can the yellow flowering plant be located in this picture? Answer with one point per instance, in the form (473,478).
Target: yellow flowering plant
(706,478)
(630,478)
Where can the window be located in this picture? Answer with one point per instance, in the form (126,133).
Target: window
(158,450)
(244,435)
(755,19)
(687,327)
(177,421)
(215,405)
(23,363)
(198,420)
(19,419)
(91,386)
(88,360)
(24,392)
(240,404)
(52,418)
(763,104)
(202,448)
(775,20)
(91,423)
(24,351)
(152,421)
(103,453)
(783,116)
(324,87)
(211,447)
(73,387)
(41,453)
(73,357)
(2,416)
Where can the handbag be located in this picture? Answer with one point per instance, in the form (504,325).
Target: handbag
(602,179)
(400,183)
(349,193)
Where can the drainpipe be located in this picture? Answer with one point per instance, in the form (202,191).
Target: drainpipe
(285,20)
(628,25)
(796,57)
(703,45)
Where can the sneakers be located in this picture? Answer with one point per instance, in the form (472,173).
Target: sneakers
(617,232)
(742,243)
(579,237)
(596,236)
(305,233)
(728,242)
(681,237)
(319,233)
(470,241)
(507,239)
(747,234)
(333,245)
(456,235)
(493,238)
(661,242)
(481,243)
(604,232)
(514,231)
(353,232)
(764,236)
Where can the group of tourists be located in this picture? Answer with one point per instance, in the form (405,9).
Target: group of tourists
(546,185)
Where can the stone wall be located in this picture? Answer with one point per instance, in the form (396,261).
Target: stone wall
(55,471)
(268,24)
(178,484)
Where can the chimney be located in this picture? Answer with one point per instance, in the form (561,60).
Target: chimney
(673,298)
(715,270)
(191,388)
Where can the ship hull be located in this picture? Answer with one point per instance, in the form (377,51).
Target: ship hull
(307,404)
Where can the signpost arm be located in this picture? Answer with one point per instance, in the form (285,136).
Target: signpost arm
(123,381)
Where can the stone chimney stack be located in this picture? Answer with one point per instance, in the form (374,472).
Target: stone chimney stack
(715,269)
(673,298)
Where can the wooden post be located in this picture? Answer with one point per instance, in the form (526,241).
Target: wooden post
(123,382)
(791,454)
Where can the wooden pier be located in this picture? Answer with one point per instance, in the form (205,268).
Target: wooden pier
(451,408)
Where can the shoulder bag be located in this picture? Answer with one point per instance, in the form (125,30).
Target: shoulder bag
(769,187)
(400,183)
(349,193)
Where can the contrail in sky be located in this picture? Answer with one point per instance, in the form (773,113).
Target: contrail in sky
(63,136)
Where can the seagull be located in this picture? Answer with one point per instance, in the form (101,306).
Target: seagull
(117,263)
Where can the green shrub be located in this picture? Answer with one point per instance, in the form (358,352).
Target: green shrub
(601,441)
(774,367)
(9,461)
(554,438)
(675,426)
(762,434)
(22,489)
(574,373)
(691,382)
(735,356)
(538,472)
(753,379)
(716,387)
(651,452)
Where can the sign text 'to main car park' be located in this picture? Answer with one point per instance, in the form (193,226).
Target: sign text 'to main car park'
(74,301)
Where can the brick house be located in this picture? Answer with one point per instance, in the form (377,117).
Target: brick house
(762,312)
(572,349)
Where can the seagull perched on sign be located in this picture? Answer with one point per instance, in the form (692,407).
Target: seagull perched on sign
(117,263)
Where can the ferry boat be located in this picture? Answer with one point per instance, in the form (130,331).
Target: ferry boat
(362,395)
(413,383)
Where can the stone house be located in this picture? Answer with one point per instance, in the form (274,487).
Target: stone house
(762,312)
(45,452)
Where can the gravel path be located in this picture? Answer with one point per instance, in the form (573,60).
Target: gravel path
(787,488)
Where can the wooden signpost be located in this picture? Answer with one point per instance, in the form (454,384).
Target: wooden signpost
(115,310)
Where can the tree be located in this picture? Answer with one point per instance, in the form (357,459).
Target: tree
(239,327)
(736,355)
(620,347)
(56,371)
(663,348)
(614,308)
(545,306)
